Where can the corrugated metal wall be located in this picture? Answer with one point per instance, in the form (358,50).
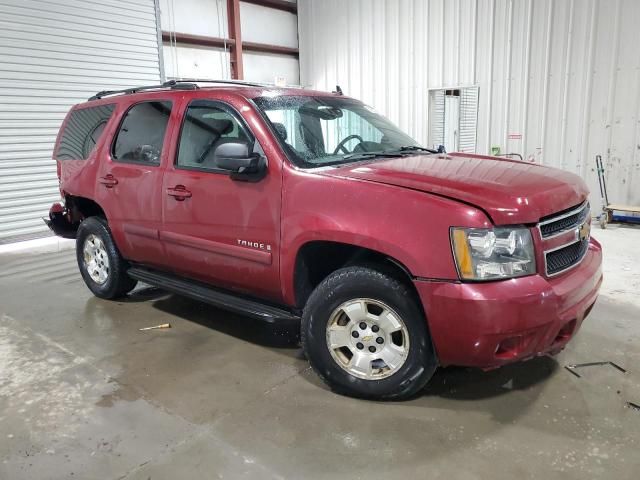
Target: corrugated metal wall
(54,54)
(558,80)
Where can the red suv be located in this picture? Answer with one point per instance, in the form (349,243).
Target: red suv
(292,204)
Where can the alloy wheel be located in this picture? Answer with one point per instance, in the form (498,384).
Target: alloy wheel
(367,338)
(96,259)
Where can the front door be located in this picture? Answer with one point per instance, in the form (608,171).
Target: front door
(130,180)
(216,229)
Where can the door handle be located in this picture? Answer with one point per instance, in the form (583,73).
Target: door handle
(179,192)
(108,181)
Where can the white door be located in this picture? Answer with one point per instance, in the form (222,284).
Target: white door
(451,122)
(453,118)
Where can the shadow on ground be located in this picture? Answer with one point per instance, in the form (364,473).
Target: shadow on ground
(454,383)
(457,383)
(281,335)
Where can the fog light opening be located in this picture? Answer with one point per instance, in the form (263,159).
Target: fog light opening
(588,311)
(565,332)
(509,347)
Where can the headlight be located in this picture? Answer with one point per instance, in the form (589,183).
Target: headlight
(492,253)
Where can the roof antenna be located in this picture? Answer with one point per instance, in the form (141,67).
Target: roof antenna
(338,90)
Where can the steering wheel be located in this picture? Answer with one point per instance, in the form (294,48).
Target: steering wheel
(341,145)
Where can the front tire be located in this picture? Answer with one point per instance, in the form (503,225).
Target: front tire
(102,267)
(365,336)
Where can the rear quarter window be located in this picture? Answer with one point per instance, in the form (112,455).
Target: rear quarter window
(82,132)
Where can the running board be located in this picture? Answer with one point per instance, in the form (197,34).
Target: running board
(207,294)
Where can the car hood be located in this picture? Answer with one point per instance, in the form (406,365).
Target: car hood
(509,191)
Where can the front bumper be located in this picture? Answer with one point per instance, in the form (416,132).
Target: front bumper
(490,324)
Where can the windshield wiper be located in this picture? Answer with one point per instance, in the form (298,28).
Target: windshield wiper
(401,152)
(416,148)
(365,155)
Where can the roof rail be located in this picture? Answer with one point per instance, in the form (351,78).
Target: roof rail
(231,82)
(172,84)
(176,84)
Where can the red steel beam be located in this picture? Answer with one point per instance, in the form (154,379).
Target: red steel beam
(291,7)
(199,40)
(216,42)
(267,48)
(235,34)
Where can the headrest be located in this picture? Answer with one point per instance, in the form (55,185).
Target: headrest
(280,129)
(223,127)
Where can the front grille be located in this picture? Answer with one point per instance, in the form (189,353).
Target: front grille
(559,260)
(562,222)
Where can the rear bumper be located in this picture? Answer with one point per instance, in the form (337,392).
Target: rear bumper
(59,223)
(491,324)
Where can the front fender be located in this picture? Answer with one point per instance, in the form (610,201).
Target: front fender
(409,226)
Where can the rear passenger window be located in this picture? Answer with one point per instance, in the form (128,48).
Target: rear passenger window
(206,125)
(82,132)
(142,132)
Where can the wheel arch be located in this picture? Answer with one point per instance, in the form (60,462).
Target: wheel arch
(82,207)
(317,259)
(65,220)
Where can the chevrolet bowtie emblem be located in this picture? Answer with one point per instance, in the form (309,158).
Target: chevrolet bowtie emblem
(584,231)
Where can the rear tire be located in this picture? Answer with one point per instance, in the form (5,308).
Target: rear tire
(102,267)
(365,336)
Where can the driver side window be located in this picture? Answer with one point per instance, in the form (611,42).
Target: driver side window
(206,126)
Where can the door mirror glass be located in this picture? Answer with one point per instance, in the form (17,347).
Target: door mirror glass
(231,156)
(235,158)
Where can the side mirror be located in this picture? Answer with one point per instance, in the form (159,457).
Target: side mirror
(244,166)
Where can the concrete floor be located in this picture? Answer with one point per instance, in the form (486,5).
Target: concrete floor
(84,394)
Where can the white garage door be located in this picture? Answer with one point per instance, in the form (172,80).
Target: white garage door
(54,54)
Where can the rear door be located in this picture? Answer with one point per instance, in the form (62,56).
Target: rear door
(216,229)
(130,179)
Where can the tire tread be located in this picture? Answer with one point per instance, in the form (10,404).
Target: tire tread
(120,282)
(406,389)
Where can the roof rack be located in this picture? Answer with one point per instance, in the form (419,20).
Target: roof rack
(176,84)
(231,82)
(172,84)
